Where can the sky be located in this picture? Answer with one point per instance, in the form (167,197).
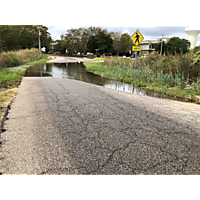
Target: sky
(149,32)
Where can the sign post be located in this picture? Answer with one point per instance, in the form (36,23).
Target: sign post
(136,38)
(135,63)
(96,51)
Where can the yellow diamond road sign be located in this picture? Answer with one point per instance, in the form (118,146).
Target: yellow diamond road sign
(137,37)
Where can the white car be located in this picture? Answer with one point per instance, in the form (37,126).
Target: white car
(124,56)
(89,54)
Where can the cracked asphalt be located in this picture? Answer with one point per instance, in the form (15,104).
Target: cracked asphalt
(63,126)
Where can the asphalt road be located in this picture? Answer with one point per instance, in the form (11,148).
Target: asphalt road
(63,126)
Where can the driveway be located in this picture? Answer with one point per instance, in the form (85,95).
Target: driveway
(63,126)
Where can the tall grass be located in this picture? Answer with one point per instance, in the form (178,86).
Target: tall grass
(15,58)
(10,78)
(178,70)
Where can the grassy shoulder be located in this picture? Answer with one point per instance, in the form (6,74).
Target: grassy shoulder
(7,96)
(126,75)
(11,78)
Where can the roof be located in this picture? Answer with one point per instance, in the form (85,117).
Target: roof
(149,41)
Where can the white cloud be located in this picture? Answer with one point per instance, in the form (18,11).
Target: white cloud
(150,32)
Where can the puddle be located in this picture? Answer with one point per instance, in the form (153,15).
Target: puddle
(78,71)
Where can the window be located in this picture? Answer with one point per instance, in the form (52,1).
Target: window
(144,47)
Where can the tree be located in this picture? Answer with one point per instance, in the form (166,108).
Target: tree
(73,38)
(125,43)
(95,30)
(45,38)
(101,41)
(116,40)
(77,39)
(14,37)
(177,45)
(104,42)
(164,47)
(58,47)
(92,44)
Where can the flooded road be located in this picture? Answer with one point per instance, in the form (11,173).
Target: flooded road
(78,71)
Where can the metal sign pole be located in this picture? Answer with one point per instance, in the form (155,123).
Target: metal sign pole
(135,63)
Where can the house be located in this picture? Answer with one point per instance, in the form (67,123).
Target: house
(148,46)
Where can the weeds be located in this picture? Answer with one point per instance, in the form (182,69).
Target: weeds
(10,78)
(6,97)
(156,72)
(15,58)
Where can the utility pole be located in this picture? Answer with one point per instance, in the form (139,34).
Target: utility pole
(161,44)
(39,43)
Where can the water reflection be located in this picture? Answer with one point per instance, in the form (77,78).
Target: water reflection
(78,71)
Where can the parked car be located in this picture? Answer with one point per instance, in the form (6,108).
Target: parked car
(132,56)
(89,54)
(102,56)
(124,56)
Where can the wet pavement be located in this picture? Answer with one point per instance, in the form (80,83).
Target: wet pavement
(78,71)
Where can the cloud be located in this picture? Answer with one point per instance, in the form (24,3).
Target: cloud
(150,32)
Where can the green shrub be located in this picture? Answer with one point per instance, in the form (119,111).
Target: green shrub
(167,86)
(121,79)
(9,60)
(15,58)
(127,80)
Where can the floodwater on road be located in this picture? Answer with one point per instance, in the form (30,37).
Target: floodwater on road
(78,71)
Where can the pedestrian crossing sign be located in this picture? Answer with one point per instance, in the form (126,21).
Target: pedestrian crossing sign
(137,37)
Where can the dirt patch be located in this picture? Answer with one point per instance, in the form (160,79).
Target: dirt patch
(3,114)
(5,89)
(5,107)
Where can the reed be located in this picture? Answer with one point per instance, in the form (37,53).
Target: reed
(15,58)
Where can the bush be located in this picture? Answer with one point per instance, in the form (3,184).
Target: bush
(167,86)
(9,60)
(127,80)
(178,70)
(119,62)
(15,58)
(196,49)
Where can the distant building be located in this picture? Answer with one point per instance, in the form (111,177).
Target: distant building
(52,46)
(148,46)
